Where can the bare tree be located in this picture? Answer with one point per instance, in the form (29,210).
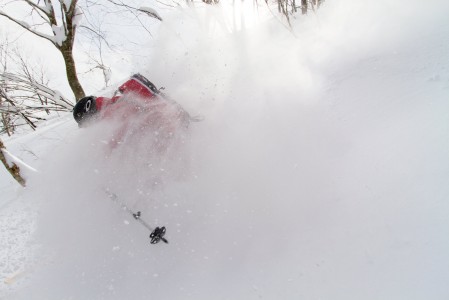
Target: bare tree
(58,22)
(60,17)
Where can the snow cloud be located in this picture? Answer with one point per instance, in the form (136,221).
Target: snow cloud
(319,171)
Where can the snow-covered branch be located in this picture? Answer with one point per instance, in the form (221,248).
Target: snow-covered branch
(150,12)
(13,82)
(24,99)
(11,165)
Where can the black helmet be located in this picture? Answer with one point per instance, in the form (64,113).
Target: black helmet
(84,110)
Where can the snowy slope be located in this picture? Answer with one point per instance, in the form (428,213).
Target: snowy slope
(319,172)
(18,208)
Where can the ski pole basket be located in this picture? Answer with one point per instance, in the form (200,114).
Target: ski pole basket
(158,235)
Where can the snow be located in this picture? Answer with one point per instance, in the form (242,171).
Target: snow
(78,17)
(319,171)
(59,34)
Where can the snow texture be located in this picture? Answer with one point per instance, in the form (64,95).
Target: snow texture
(320,170)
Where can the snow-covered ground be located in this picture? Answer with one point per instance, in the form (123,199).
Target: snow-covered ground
(320,170)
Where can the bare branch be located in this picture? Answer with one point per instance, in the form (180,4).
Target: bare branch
(28,27)
(38,8)
(98,34)
(150,12)
(64,18)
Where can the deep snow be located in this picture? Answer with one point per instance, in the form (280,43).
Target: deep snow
(320,170)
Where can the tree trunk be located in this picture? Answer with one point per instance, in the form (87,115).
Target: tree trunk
(14,169)
(304,7)
(72,76)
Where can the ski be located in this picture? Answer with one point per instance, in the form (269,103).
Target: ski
(157,234)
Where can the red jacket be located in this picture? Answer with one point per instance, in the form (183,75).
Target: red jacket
(138,107)
(139,96)
(133,86)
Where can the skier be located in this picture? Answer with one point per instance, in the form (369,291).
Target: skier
(137,105)
(138,88)
(142,116)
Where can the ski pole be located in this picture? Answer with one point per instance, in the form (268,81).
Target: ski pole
(156,235)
